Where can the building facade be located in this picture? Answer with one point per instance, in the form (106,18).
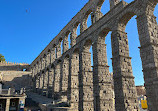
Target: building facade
(11,101)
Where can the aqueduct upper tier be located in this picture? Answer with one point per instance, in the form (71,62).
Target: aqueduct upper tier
(65,74)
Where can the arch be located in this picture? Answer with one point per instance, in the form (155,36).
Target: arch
(55,50)
(85,75)
(123,40)
(105,7)
(67,40)
(87,18)
(104,37)
(104,32)
(101,70)
(124,20)
(67,33)
(76,28)
(88,44)
(99,5)
(59,48)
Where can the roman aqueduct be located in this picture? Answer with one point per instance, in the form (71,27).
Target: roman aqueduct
(68,76)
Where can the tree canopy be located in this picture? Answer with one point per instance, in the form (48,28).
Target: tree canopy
(2,58)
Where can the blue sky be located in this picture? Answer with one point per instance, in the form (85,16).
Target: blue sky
(27,26)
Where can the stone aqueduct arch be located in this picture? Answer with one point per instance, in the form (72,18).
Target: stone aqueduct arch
(69,77)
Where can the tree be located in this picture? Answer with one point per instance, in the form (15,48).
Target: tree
(2,58)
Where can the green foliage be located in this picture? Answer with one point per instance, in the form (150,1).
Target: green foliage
(2,58)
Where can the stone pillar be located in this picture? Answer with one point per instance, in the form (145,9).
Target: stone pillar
(46,62)
(102,80)
(32,71)
(83,26)
(47,81)
(37,83)
(51,79)
(73,36)
(44,82)
(34,83)
(7,104)
(65,73)
(35,70)
(95,16)
(53,55)
(38,69)
(41,83)
(113,3)
(48,59)
(53,84)
(74,89)
(57,81)
(58,50)
(65,44)
(148,36)
(85,81)
(43,63)
(124,85)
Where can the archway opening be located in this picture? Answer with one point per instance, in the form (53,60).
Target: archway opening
(134,43)
(129,23)
(53,53)
(91,51)
(69,40)
(61,45)
(109,51)
(66,41)
(78,29)
(89,20)
(101,70)
(156,13)
(130,60)
(128,1)
(105,7)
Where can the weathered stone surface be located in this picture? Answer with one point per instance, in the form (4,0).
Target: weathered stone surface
(89,88)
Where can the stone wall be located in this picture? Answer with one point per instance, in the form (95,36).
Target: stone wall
(15,75)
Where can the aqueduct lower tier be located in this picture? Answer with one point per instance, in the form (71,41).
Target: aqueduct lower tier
(68,76)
